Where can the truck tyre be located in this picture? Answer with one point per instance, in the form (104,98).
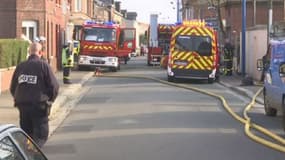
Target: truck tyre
(119,67)
(126,60)
(170,78)
(217,79)
(113,69)
(269,111)
(283,112)
(210,80)
(83,68)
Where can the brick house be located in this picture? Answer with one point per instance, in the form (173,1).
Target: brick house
(231,12)
(35,18)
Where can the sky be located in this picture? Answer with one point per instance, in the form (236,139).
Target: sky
(165,10)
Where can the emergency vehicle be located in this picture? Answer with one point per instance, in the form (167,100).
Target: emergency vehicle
(193,52)
(105,44)
(274,70)
(159,36)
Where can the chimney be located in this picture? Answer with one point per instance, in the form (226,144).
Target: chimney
(132,15)
(124,13)
(118,6)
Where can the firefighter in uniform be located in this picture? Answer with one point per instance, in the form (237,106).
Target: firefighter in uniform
(34,88)
(67,61)
(228,58)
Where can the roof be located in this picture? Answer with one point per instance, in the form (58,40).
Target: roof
(4,127)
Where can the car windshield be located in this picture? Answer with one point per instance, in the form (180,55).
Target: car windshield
(100,34)
(199,44)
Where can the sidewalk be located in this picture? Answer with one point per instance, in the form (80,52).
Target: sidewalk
(234,82)
(9,114)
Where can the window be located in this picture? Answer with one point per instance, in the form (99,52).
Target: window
(100,34)
(8,150)
(78,5)
(28,147)
(129,35)
(29,29)
(200,44)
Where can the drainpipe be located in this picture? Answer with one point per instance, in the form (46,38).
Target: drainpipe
(270,14)
(254,12)
(243,37)
(0,82)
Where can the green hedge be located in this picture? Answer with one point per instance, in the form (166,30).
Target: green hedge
(12,52)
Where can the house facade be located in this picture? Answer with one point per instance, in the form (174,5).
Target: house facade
(230,12)
(35,18)
(56,20)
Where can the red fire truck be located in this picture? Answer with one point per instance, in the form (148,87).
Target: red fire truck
(159,36)
(105,44)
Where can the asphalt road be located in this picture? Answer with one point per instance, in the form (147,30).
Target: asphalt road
(127,119)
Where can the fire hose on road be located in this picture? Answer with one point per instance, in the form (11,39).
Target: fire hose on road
(245,120)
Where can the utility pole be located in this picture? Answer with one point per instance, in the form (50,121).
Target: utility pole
(243,37)
(254,12)
(270,15)
(178,10)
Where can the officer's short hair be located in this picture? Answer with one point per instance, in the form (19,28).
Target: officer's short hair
(35,48)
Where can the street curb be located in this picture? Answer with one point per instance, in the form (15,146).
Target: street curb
(67,92)
(242,91)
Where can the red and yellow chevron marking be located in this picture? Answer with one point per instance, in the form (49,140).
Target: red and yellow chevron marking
(166,28)
(98,47)
(193,59)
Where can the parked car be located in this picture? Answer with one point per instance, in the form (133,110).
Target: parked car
(273,68)
(15,144)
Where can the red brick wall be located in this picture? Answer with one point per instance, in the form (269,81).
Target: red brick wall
(8,19)
(234,17)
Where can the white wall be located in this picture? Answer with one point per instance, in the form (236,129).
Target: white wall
(256,46)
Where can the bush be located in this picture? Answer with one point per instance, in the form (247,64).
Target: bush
(12,52)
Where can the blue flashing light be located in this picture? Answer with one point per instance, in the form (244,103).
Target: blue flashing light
(90,22)
(110,23)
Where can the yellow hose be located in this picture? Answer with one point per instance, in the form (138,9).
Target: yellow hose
(246,120)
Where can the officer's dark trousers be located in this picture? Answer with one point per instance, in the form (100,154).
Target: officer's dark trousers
(66,74)
(34,121)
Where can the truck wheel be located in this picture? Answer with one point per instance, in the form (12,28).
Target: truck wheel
(269,111)
(148,63)
(210,80)
(283,113)
(113,69)
(83,68)
(170,78)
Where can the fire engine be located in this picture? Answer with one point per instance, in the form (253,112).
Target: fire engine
(105,44)
(159,36)
(193,52)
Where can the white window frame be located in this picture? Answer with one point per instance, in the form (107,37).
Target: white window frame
(78,5)
(28,25)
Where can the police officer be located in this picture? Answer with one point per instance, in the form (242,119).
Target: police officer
(34,88)
(67,61)
(228,58)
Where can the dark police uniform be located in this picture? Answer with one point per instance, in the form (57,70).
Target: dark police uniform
(34,87)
